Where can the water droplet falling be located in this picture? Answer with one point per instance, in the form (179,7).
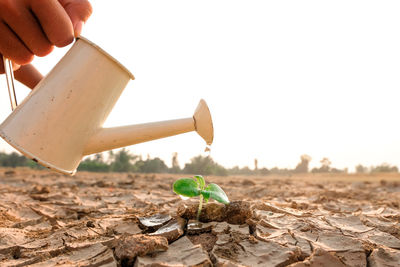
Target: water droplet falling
(207,150)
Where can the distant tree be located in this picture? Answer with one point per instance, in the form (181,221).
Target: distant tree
(361,169)
(94,164)
(335,170)
(204,166)
(264,171)
(384,167)
(325,166)
(155,165)
(199,165)
(246,171)
(220,170)
(302,167)
(122,161)
(98,157)
(175,164)
(240,171)
(284,171)
(34,165)
(255,165)
(234,170)
(12,160)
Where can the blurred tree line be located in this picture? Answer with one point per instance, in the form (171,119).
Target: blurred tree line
(124,161)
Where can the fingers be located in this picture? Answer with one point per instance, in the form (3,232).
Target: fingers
(12,47)
(28,75)
(33,27)
(78,11)
(54,20)
(1,65)
(23,23)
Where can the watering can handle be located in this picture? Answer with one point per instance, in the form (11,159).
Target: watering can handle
(8,70)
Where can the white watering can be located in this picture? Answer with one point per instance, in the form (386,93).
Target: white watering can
(61,120)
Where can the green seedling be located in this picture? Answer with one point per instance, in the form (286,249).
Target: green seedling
(196,186)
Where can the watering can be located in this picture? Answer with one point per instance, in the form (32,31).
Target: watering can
(61,120)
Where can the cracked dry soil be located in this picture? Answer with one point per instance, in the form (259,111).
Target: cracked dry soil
(48,219)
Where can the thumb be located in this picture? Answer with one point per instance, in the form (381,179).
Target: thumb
(78,11)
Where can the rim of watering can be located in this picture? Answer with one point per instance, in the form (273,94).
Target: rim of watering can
(106,54)
(35,158)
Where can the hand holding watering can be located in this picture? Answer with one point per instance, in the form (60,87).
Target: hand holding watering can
(34,27)
(61,120)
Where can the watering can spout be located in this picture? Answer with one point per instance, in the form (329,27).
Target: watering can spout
(116,137)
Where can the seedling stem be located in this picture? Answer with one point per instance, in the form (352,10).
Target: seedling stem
(200,206)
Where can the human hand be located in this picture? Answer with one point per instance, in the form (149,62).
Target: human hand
(31,28)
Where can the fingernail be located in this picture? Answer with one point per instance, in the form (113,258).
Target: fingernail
(78,28)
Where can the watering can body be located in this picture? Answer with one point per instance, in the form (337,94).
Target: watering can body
(61,120)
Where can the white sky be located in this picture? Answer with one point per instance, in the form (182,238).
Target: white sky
(281,78)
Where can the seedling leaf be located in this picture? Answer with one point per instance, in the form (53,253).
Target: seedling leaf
(216,192)
(206,195)
(186,187)
(200,180)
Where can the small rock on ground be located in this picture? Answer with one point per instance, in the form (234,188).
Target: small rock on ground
(384,257)
(154,222)
(195,227)
(128,247)
(180,253)
(319,258)
(172,230)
